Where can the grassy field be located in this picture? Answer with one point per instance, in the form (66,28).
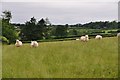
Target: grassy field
(64,59)
(0,60)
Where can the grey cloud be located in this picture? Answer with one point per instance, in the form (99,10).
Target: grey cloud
(62,12)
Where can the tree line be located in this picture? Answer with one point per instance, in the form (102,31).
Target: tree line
(43,29)
(31,30)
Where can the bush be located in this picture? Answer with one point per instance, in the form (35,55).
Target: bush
(118,30)
(112,31)
(4,40)
(8,31)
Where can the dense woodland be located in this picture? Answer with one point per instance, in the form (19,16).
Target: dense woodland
(45,30)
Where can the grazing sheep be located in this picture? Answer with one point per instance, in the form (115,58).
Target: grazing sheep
(34,44)
(18,43)
(87,38)
(98,37)
(84,38)
(77,39)
(118,35)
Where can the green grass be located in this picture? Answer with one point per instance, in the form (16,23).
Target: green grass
(92,31)
(0,60)
(64,59)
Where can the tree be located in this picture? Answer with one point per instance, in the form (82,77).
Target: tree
(118,25)
(47,21)
(6,16)
(8,30)
(61,30)
(28,32)
(41,27)
(48,28)
(44,27)
(35,30)
(113,25)
(0,27)
(74,32)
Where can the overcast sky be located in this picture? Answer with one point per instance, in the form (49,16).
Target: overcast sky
(62,11)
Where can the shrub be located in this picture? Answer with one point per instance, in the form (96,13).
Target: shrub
(112,31)
(4,40)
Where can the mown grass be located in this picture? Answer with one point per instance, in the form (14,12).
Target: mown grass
(64,59)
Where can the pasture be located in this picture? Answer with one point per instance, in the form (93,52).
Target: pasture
(62,59)
(0,60)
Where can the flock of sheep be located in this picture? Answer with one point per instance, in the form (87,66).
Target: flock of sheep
(33,43)
(86,38)
(82,38)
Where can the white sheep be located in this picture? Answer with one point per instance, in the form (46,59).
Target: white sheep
(77,39)
(84,38)
(98,37)
(18,43)
(118,34)
(34,44)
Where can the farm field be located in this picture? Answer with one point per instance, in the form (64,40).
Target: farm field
(63,59)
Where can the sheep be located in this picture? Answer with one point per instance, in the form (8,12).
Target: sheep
(77,39)
(87,38)
(98,37)
(18,43)
(118,35)
(34,44)
(84,38)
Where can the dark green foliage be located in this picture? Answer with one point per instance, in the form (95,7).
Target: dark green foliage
(101,25)
(118,30)
(118,25)
(74,32)
(7,16)
(35,30)
(0,26)
(76,25)
(112,31)
(28,31)
(61,30)
(8,30)
(42,29)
